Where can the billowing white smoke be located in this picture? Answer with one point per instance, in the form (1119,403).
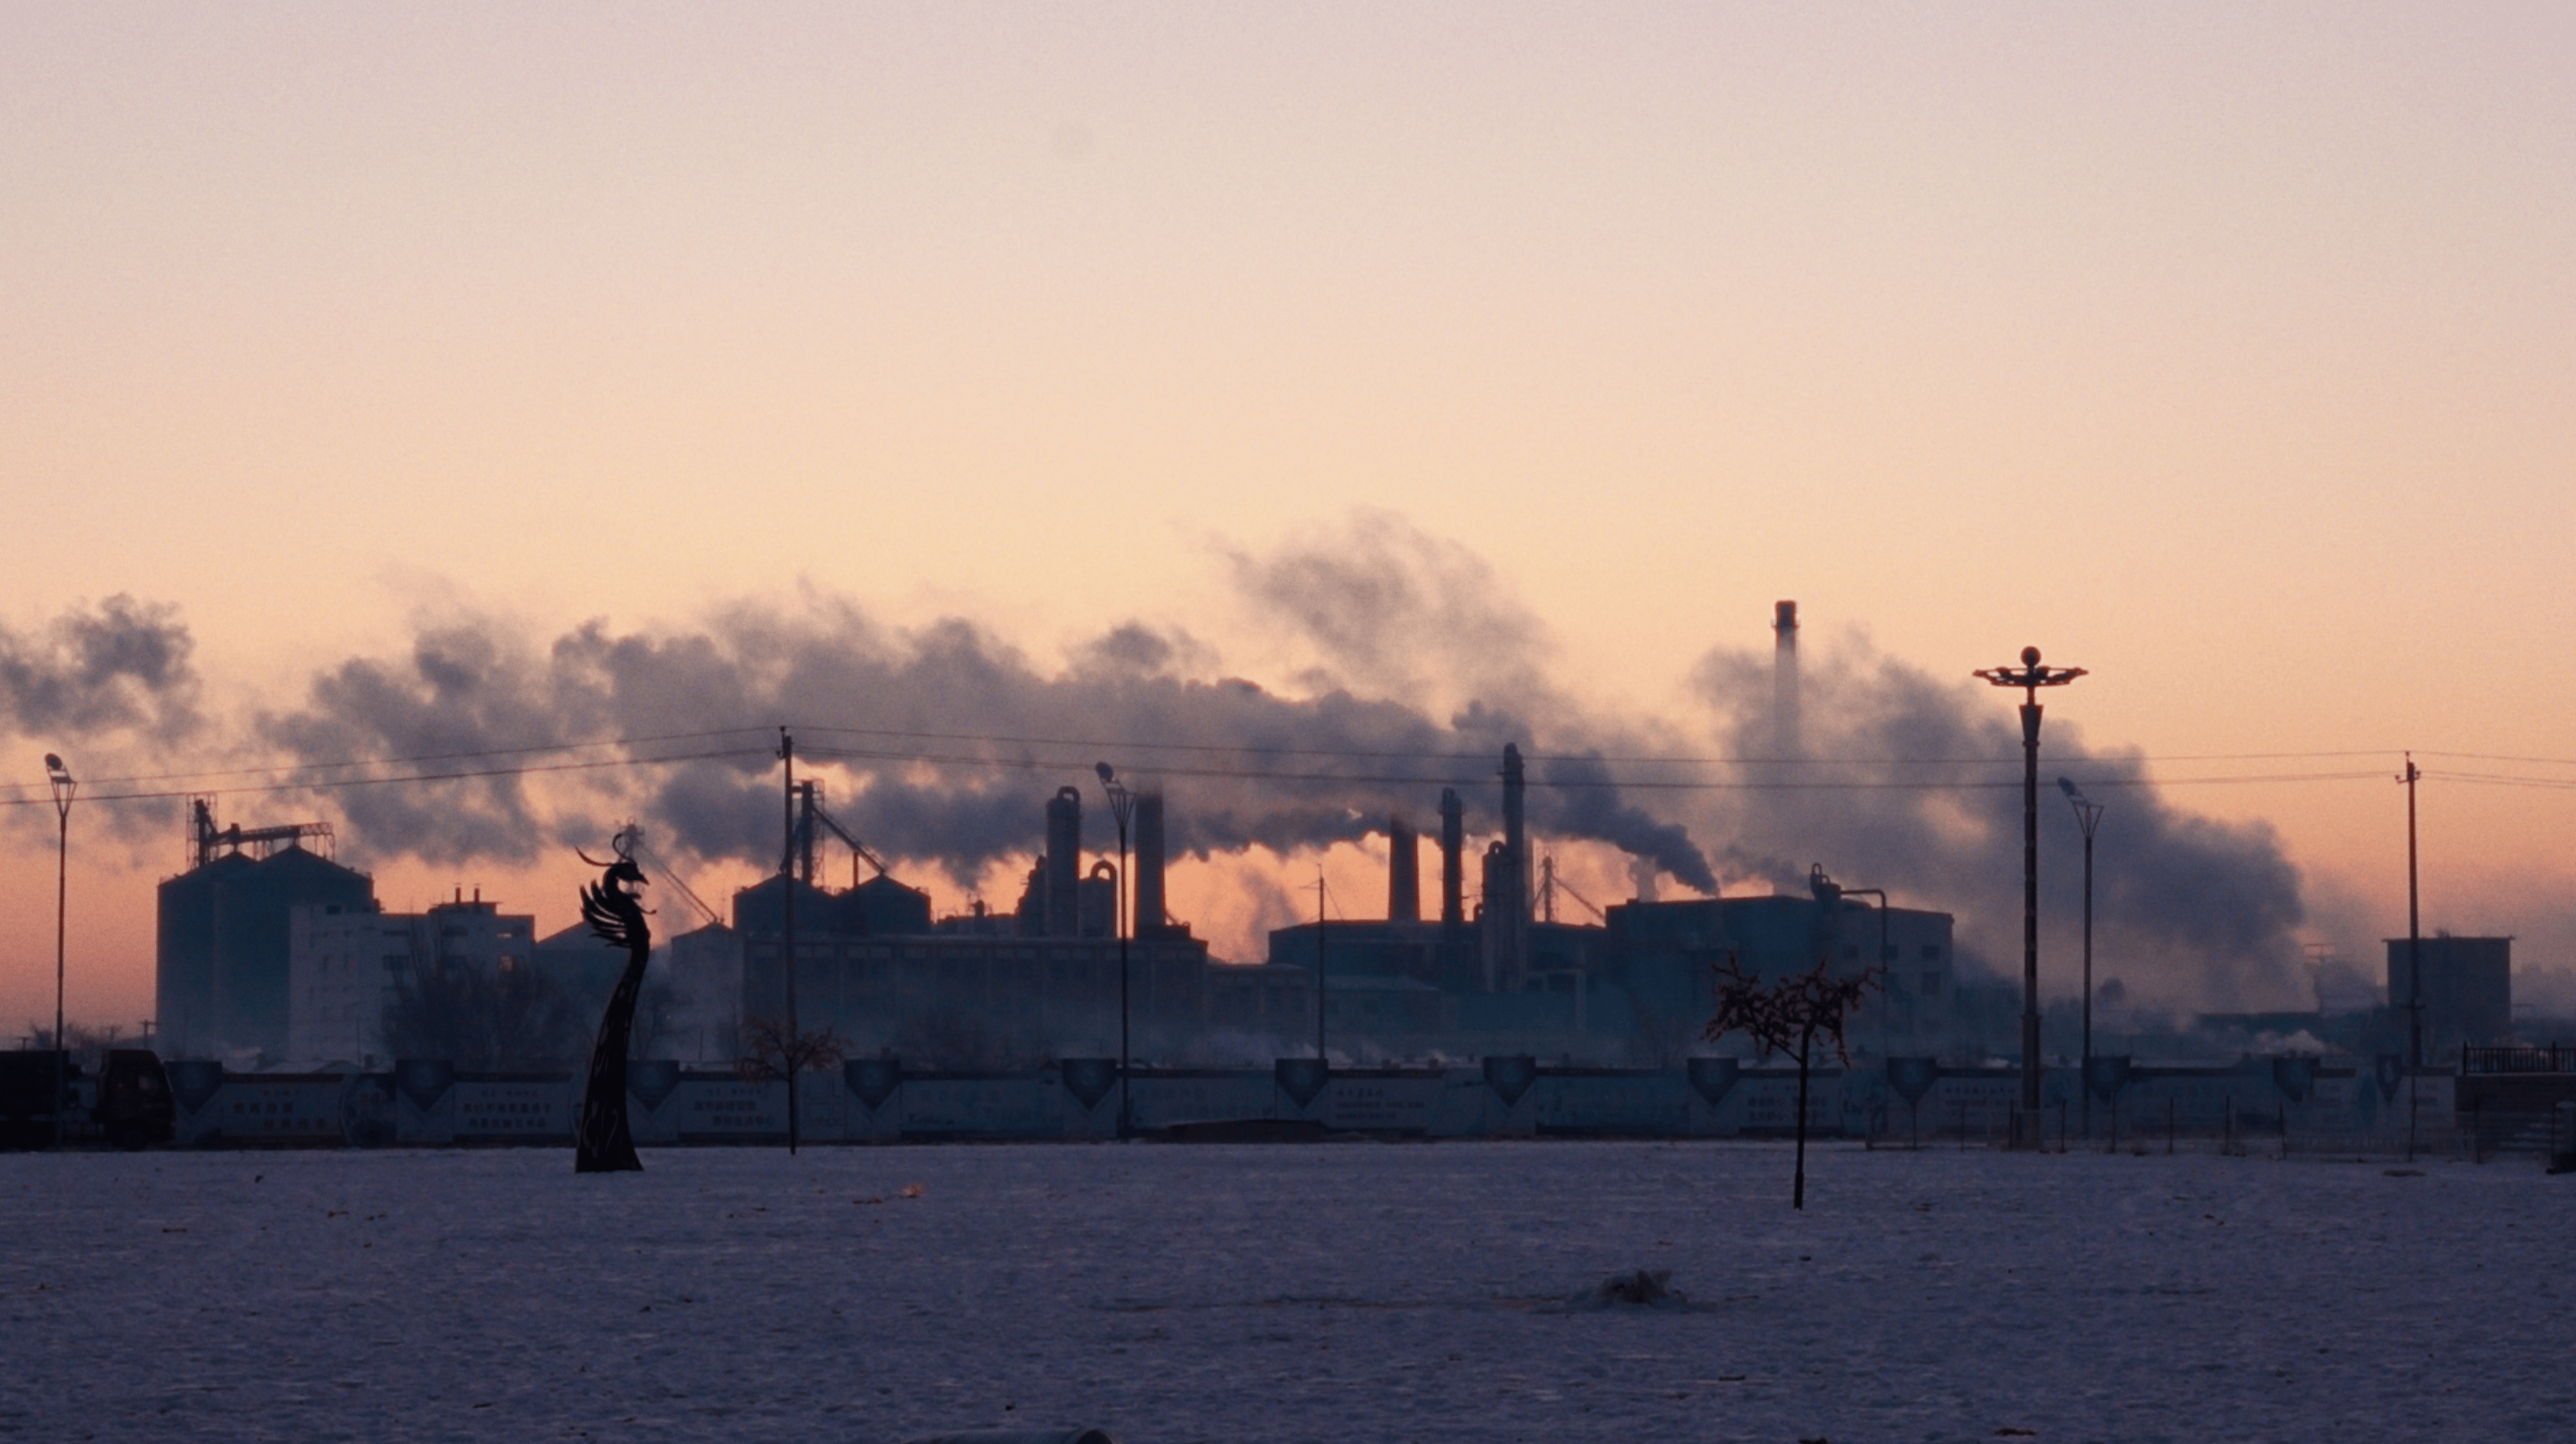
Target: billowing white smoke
(1397,631)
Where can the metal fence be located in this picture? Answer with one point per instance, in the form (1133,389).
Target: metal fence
(2551,1059)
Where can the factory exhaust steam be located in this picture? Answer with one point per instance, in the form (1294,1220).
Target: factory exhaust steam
(921,723)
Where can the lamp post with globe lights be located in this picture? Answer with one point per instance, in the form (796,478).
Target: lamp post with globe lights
(2030,676)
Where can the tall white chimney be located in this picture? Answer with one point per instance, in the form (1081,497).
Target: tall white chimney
(1785,738)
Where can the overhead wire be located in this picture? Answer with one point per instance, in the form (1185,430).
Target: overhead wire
(420,757)
(1559,783)
(338,783)
(1132,745)
(294,777)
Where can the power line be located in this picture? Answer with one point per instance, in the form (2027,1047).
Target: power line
(1560,784)
(429,757)
(2494,779)
(1132,745)
(336,784)
(287,779)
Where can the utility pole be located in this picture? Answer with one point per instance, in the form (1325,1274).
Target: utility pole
(793,1053)
(2030,676)
(59,778)
(2414,931)
(2414,961)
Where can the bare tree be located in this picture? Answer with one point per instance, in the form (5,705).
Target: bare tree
(482,1020)
(775,1051)
(1787,1015)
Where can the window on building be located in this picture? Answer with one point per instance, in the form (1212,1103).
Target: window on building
(1931,952)
(1931,983)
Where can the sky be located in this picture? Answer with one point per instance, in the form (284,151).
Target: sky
(1427,355)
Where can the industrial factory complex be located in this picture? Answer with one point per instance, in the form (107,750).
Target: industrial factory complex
(1487,996)
(270,951)
(274,956)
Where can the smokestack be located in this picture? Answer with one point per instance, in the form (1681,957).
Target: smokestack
(1507,907)
(1453,866)
(1403,873)
(1493,927)
(1064,864)
(1149,863)
(1785,739)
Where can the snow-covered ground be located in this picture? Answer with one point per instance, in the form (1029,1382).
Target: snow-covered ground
(1335,1291)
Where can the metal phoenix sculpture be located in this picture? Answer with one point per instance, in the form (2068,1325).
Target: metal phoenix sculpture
(602,1142)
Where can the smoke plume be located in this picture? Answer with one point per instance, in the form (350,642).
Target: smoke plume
(1411,668)
(120,666)
(2186,909)
(940,744)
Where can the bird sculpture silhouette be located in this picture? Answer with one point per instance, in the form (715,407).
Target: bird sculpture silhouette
(602,1141)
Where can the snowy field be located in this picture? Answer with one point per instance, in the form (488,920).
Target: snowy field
(1336,1291)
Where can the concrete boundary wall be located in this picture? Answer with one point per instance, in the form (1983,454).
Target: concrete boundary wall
(429,1103)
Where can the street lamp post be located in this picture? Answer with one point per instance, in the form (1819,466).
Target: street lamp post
(1817,874)
(793,1055)
(59,778)
(1122,805)
(2088,815)
(2030,676)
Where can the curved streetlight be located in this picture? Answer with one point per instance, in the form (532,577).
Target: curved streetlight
(2088,815)
(59,778)
(1122,805)
(2030,676)
(1816,875)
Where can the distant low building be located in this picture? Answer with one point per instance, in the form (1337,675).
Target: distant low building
(1666,955)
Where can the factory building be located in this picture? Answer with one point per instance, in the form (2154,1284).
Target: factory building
(1636,989)
(1501,980)
(1040,981)
(1664,957)
(343,965)
(1510,978)
(2468,989)
(221,975)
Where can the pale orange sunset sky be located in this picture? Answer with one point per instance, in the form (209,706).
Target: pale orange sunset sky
(2221,349)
